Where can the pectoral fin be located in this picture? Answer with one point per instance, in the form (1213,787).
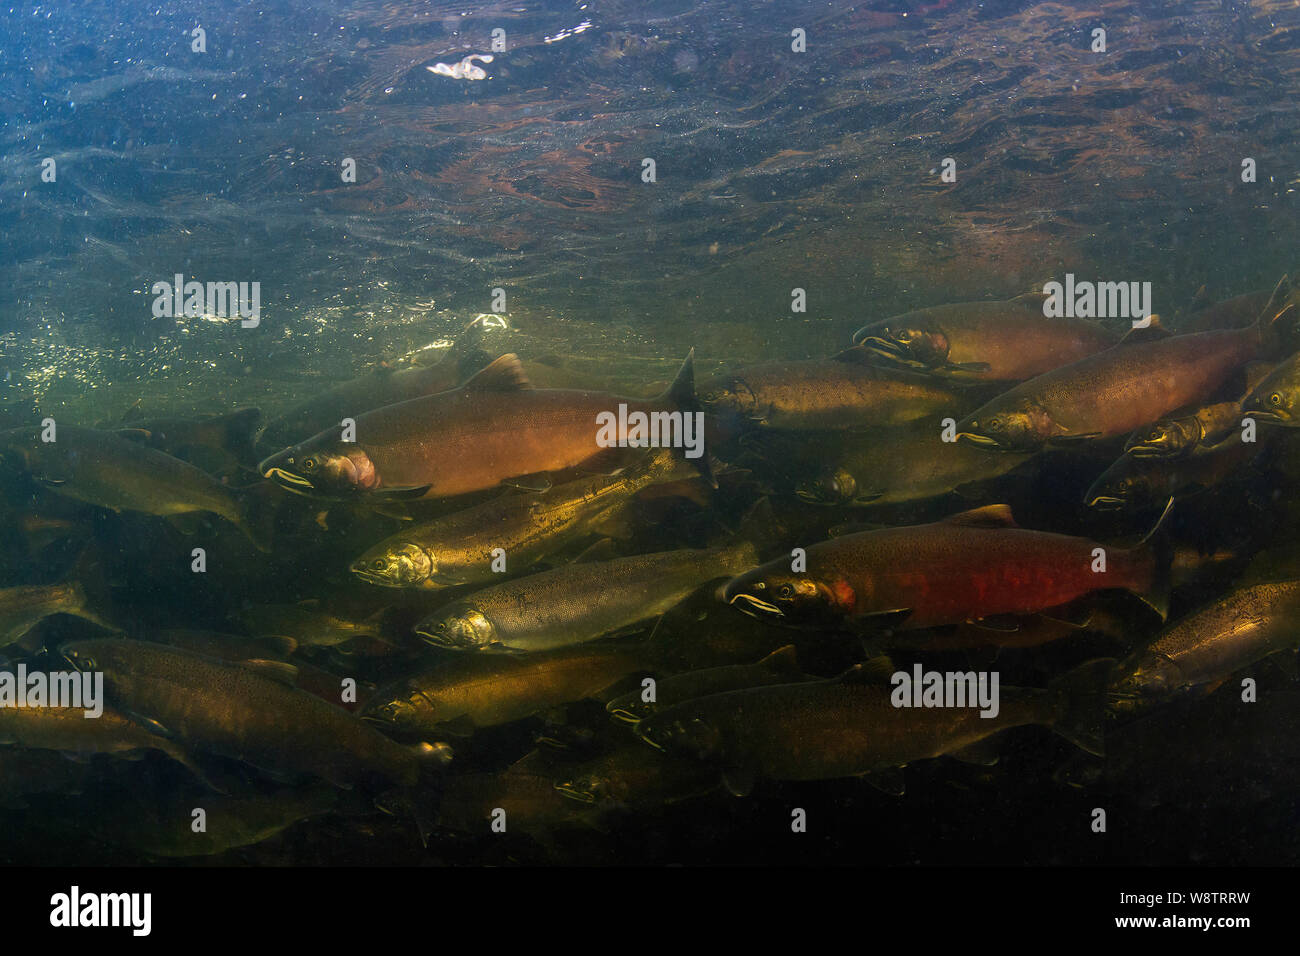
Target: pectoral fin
(407,493)
(889,781)
(537,482)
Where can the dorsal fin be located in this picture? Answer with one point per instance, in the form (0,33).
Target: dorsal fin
(875,670)
(1030,300)
(857,355)
(505,374)
(989,516)
(1145,333)
(784,660)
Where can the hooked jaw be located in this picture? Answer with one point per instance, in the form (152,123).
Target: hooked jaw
(741,594)
(973,438)
(393,714)
(909,346)
(344,470)
(1023,426)
(1105,503)
(577,790)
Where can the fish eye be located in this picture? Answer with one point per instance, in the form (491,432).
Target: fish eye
(1275,399)
(787,591)
(308,464)
(379,564)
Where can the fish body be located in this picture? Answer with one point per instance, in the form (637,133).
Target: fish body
(1135,483)
(779,667)
(104,469)
(973,565)
(890,466)
(1214,642)
(464,547)
(307,626)
(989,341)
(1116,391)
(635,778)
(492,429)
(24,606)
(846,391)
(579,602)
(165,828)
(238,712)
(484,690)
(1235,313)
(1196,431)
(850,727)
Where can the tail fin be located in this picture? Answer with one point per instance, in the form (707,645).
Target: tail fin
(681,397)
(470,351)
(757,533)
(1276,323)
(1160,547)
(234,433)
(1080,704)
(90,591)
(255,512)
(421,802)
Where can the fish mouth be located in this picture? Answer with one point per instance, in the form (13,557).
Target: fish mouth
(644,734)
(438,640)
(573,792)
(623,714)
(756,607)
(1106,503)
(287,478)
(886,348)
(1150,451)
(369,576)
(984,441)
(1271,415)
(813,498)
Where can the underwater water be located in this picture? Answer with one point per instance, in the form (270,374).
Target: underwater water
(968,337)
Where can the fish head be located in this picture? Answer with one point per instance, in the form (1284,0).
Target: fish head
(1121,487)
(461,627)
(335,469)
(1274,401)
(50,462)
(1149,676)
(911,343)
(775,593)
(1008,427)
(685,734)
(834,486)
(589,787)
(1164,439)
(84,656)
(398,566)
(397,713)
